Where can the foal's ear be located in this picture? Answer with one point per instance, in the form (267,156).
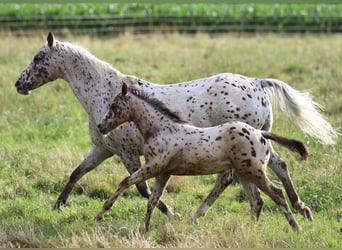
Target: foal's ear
(50,39)
(124,89)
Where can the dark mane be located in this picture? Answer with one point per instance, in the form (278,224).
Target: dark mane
(158,105)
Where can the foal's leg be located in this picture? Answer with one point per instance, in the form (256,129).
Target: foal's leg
(157,192)
(132,162)
(253,195)
(92,160)
(280,168)
(142,174)
(222,182)
(277,196)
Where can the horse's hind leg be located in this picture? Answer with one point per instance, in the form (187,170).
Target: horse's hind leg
(92,160)
(222,181)
(277,196)
(157,192)
(280,168)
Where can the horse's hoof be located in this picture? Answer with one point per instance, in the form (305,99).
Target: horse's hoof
(176,216)
(303,210)
(59,206)
(193,220)
(308,214)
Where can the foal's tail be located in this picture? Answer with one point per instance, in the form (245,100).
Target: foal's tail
(301,108)
(291,144)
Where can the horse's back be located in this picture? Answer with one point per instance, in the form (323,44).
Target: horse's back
(216,99)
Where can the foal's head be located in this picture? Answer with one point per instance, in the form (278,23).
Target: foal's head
(42,69)
(121,110)
(118,112)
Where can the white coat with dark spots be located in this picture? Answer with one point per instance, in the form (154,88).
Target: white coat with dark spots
(203,102)
(173,147)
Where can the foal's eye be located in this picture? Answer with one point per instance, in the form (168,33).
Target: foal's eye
(117,111)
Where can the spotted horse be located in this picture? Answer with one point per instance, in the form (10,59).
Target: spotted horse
(174,147)
(203,102)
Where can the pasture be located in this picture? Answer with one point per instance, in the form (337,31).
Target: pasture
(44,136)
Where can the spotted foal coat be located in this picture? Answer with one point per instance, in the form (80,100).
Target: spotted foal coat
(173,147)
(203,102)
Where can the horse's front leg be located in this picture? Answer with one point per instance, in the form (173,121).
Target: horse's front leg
(92,160)
(132,163)
(222,182)
(157,192)
(281,170)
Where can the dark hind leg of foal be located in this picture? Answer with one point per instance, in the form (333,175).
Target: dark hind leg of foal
(253,195)
(222,182)
(276,194)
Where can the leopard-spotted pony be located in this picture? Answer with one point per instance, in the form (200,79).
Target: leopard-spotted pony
(203,102)
(174,147)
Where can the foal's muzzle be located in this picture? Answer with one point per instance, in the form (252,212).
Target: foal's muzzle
(102,129)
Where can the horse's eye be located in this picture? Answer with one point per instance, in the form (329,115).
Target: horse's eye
(37,58)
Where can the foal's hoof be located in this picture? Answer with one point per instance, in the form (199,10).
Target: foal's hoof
(98,217)
(192,220)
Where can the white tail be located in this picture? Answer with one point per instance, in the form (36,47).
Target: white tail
(302,109)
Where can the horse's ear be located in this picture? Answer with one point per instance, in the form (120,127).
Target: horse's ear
(124,89)
(50,39)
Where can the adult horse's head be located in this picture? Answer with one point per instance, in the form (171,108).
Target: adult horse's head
(42,69)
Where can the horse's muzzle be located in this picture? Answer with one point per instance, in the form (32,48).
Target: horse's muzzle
(20,89)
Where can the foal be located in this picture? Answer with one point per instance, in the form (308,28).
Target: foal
(173,147)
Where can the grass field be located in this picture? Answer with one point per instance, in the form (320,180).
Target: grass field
(44,136)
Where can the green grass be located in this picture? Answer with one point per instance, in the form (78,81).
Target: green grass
(185,17)
(44,136)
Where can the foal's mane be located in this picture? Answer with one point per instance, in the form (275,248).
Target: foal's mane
(157,104)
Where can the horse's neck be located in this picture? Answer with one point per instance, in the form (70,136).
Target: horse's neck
(95,83)
(148,119)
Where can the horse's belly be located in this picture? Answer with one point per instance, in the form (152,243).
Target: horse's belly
(200,168)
